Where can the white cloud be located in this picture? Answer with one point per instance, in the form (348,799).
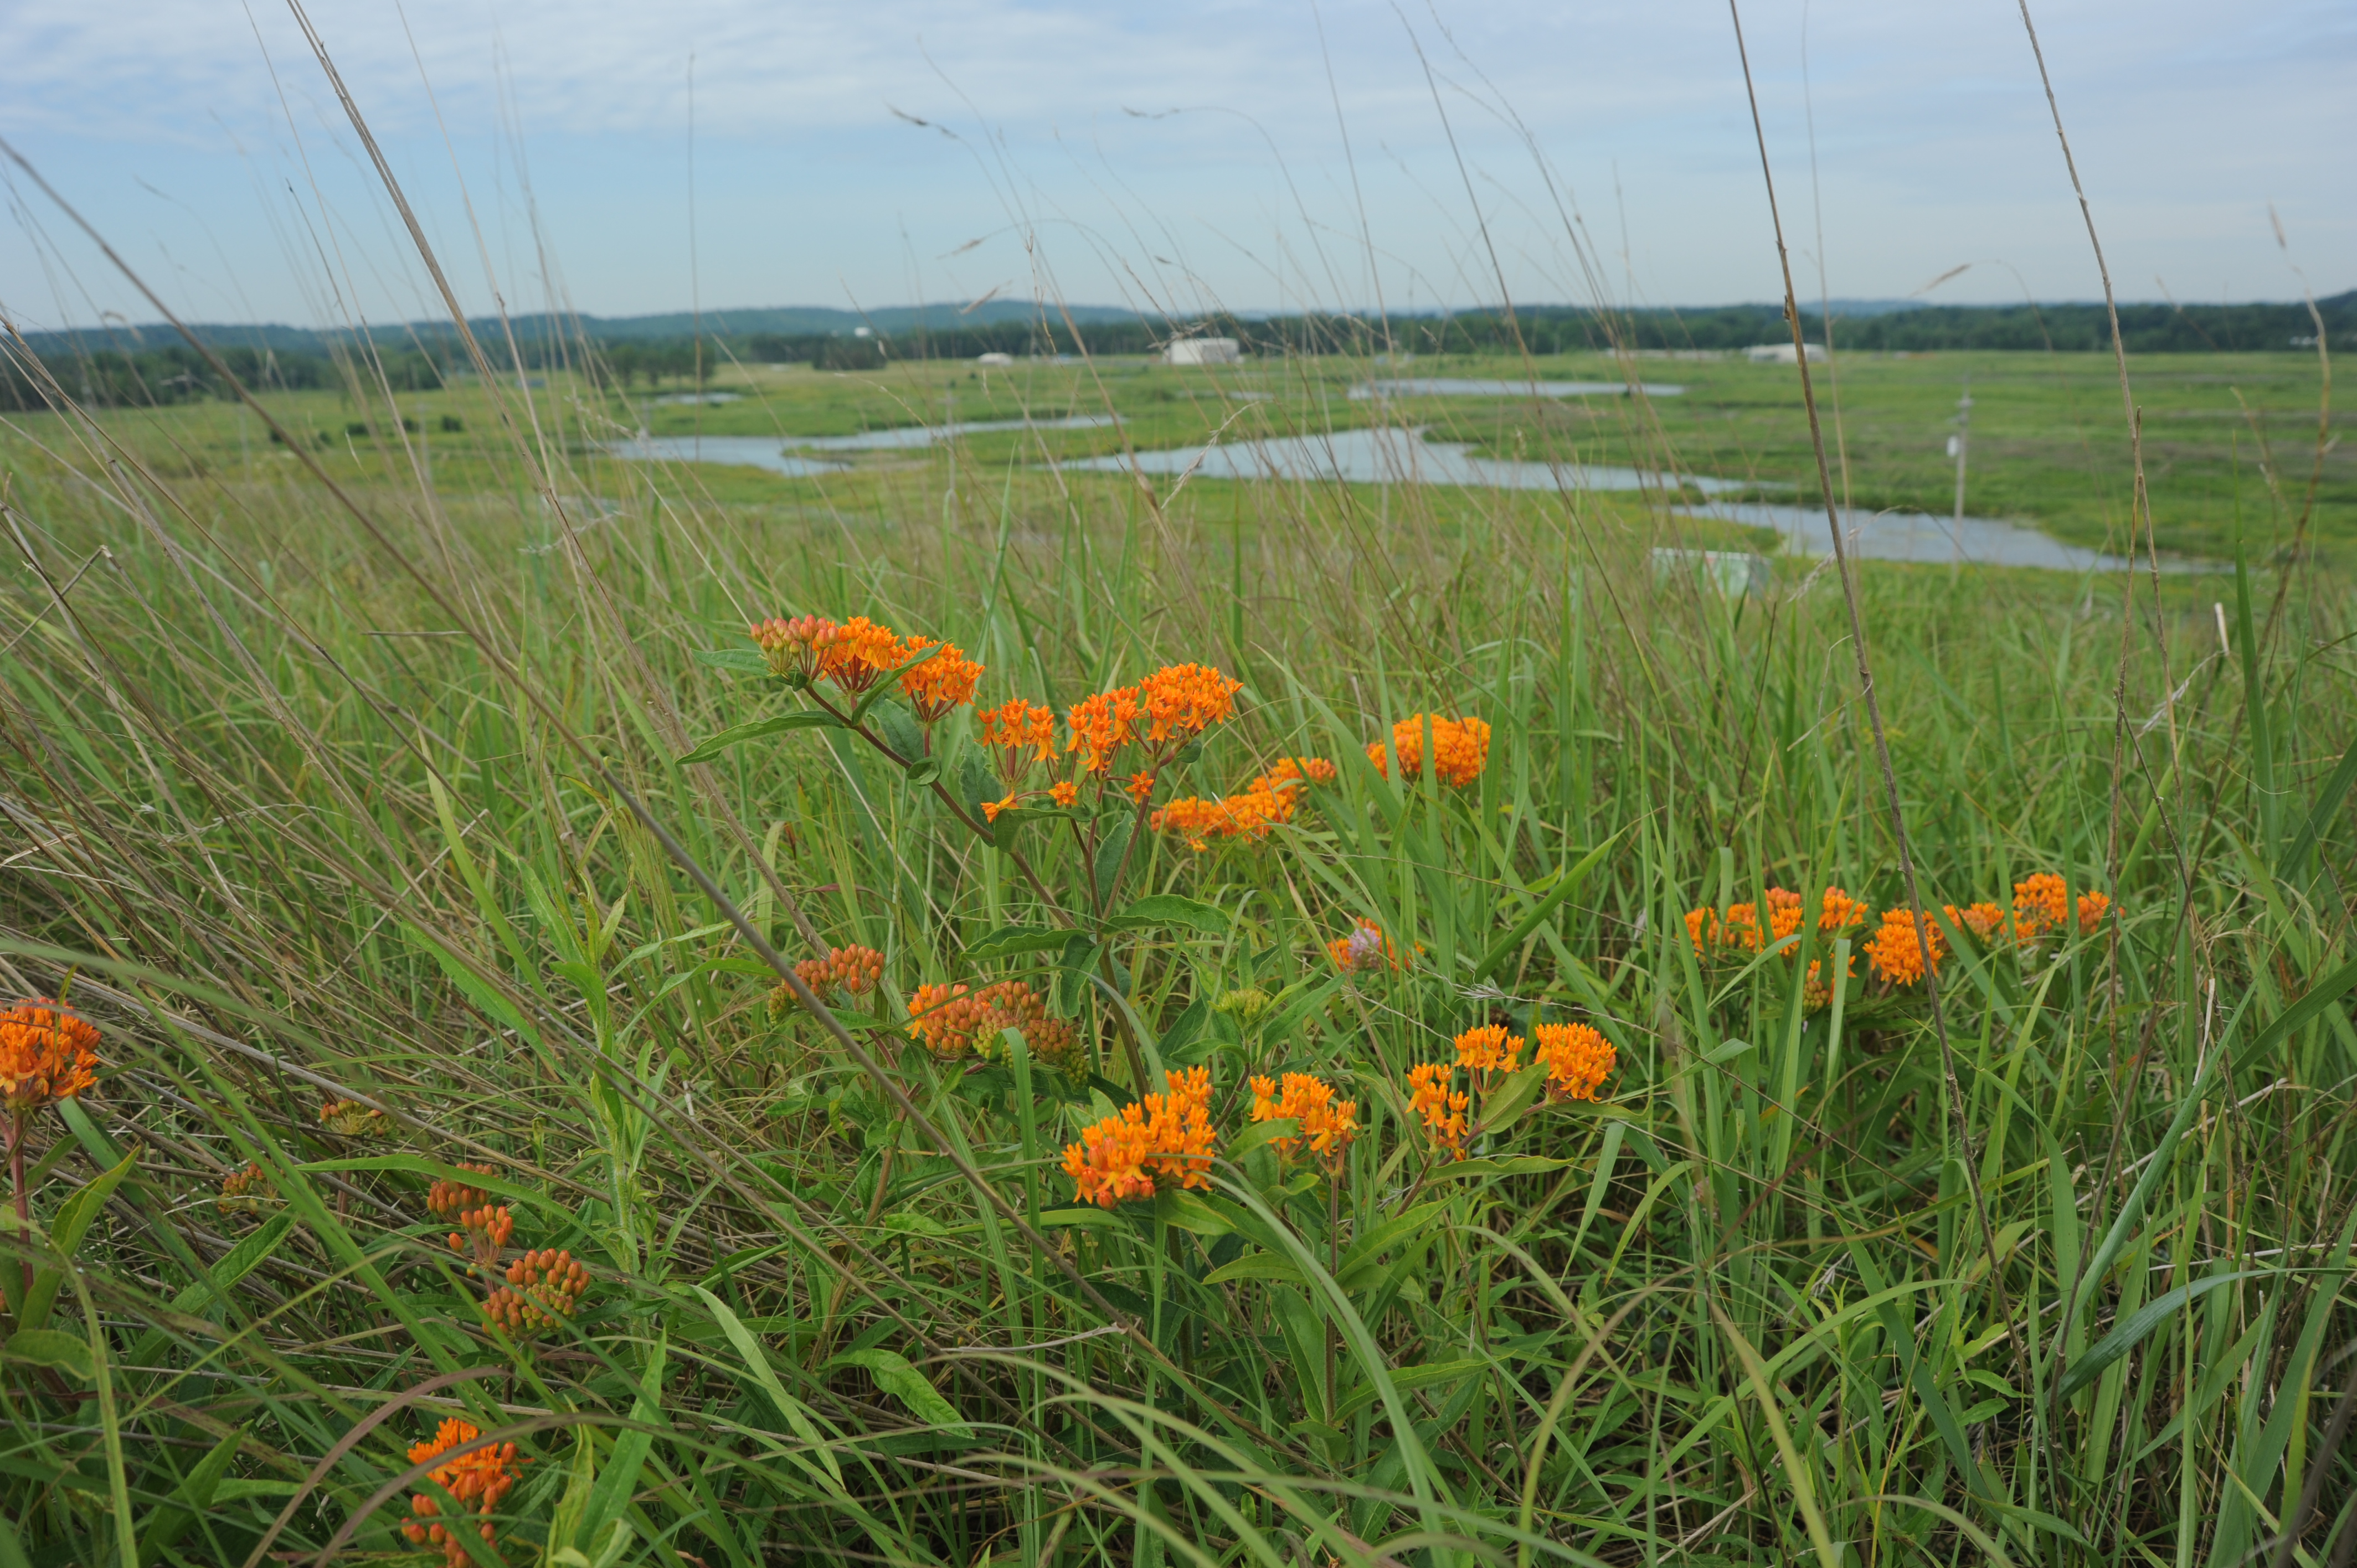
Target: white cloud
(1932,140)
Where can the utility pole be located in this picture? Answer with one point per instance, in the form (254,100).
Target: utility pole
(1959,447)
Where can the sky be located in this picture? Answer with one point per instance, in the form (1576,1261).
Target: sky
(1252,154)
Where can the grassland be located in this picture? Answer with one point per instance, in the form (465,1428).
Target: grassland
(314,801)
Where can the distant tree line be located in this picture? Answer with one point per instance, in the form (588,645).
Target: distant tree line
(153,378)
(100,374)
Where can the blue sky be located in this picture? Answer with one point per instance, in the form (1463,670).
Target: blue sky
(1259,156)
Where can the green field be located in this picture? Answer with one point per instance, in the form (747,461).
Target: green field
(316,795)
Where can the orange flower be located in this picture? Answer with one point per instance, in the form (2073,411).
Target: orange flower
(541,1287)
(1984,920)
(1442,1107)
(1461,749)
(350,1119)
(1578,1059)
(244,1191)
(850,968)
(477,1480)
(1014,727)
(46,1054)
(2091,909)
(1291,772)
(1837,911)
(1365,950)
(1064,792)
(942,682)
(1783,913)
(2038,903)
(1102,725)
(1816,995)
(484,1227)
(990,809)
(858,652)
(1894,953)
(1185,700)
(1328,1125)
(1166,1137)
(1139,785)
(1249,815)
(953,1022)
(1488,1050)
(1739,928)
(794,646)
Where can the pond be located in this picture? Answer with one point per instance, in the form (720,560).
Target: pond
(1385,455)
(770,451)
(1920,537)
(1445,386)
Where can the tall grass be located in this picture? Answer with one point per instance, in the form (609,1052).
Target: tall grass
(290,836)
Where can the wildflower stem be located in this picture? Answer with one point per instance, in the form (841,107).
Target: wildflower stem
(23,1200)
(1842,569)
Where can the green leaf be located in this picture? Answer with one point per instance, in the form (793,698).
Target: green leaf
(757,1361)
(1010,941)
(1113,852)
(754,729)
(1170,909)
(619,1483)
(901,732)
(49,1347)
(2123,1337)
(1431,1374)
(1506,1104)
(1256,1266)
(190,1498)
(1187,1212)
(1563,889)
(74,1217)
(904,1382)
(736,661)
(441,1170)
(1518,1164)
(923,773)
(1087,1218)
(1261,1134)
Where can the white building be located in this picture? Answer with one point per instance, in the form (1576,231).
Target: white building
(1204,351)
(993,358)
(1781,354)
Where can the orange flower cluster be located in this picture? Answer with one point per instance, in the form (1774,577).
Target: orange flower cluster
(477,1480)
(2042,904)
(1816,993)
(1014,727)
(1442,1107)
(1163,1137)
(1328,1125)
(1184,700)
(484,1227)
(793,647)
(1984,920)
(952,1021)
(1894,952)
(1738,928)
(1488,1050)
(1364,951)
(46,1054)
(942,682)
(244,1191)
(1101,726)
(858,652)
(1461,749)
(1268,801)
(1578,1059)
(350,1119)
(541,1287)
(851,968)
